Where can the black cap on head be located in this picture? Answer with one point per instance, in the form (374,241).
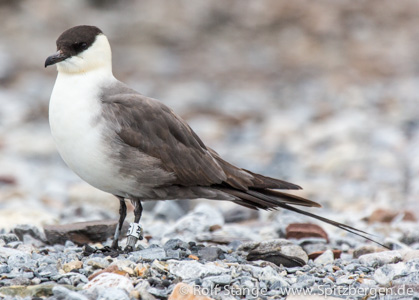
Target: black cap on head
(73,41)
(76,39)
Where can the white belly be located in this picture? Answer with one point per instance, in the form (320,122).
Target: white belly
(73,114)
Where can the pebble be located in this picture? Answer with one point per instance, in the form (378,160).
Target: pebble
(73,265)
(305,230)
(278,251)
(142,288)
(168,210)
(192,269)
(385,274)
(324,259)
(380,258)
(60,292)
(197,221)
(21,261)
(23,230)
(148,254)
(97,262)
(112,294)
(7,252)
(410,255)
(240,214)
(109,280)
(220,279)
(9,237)
(4,269)
(210,253)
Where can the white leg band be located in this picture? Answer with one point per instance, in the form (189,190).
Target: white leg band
(135,230)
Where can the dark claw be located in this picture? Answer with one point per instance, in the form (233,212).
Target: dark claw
(128,249)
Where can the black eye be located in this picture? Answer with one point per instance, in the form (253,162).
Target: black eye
(80,46)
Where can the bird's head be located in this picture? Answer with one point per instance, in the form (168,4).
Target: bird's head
(81,49)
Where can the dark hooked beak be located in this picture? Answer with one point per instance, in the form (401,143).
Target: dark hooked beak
(55,58)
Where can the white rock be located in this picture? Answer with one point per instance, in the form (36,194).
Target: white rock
(112,294)
(380,258)
(193,269)
(268,274)
(62,293)
(6,252)
(109,280)
(386,273)
(326,258)
(410,255)
(199,220)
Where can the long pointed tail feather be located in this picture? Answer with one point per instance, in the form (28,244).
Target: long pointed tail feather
(270,200)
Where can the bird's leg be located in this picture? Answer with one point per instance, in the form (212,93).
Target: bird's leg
(135,231)
(122,215)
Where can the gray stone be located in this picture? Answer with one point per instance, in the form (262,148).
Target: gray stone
(410,255)
(410,276)
(159,293)
(41,290)
(15,244)
(387,273)
(380,258)
(325,258)
(123,264)
(149,254)
(61,293)
(9,237)
(7,252)
(173,253)
(21,260)
(4,269)
(26,229)
(188,270)
(47,270)
(97,262)
(304,281)
(267,274)
(351,267)
(77,279)
(201,219)
(21,280)
(168,210)
(219,280)
(109,280)
(142,287)
(411,235)
(209,253)
(70,244)
(112,294)
(345,279)
(174,244)
(239,214)
(278,251)
(82,232)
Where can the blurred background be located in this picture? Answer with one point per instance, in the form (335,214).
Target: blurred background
(324,94)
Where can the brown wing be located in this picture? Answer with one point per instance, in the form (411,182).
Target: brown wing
(153,128)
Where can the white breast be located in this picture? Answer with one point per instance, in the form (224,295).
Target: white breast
(73,115)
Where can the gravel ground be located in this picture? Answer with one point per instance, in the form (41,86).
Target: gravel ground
(323,94)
